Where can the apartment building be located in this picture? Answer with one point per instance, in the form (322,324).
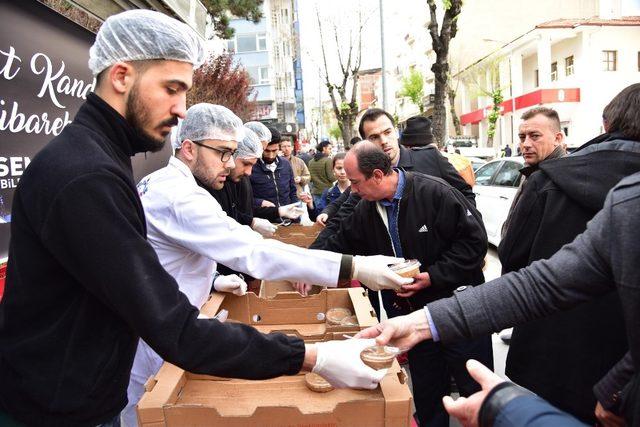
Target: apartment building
(575,66)
(267,50)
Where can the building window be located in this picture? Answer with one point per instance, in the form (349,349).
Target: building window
(554,71)
(231,46)
(609,60)
(568,65)
(537,78)
(251,42)
(258,75)
(262,41)
(264,75)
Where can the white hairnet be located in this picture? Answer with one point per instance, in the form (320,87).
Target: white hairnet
(176,142)
(259,129)
(209,121)
(250,146)
(137,35)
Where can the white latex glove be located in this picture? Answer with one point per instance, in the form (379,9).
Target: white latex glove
(339,363)
(374,273)
(263,227)
(292,211)
(231,283)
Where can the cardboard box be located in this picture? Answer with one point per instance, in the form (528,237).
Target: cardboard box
(293,314)
(178,398)
(298,235)
(271,288)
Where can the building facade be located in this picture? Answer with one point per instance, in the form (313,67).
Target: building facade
(560,42)
(267,50)
(575,66)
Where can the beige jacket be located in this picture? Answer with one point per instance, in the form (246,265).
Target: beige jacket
(301,170)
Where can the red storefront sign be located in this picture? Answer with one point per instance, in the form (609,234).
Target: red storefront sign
(538,97)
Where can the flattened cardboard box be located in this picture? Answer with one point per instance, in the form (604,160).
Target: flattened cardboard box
(183,399)
(298,235)
(178,398)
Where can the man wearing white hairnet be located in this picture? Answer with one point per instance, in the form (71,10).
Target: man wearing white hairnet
(191,234)
(83,283)
(236,197)
(262,132)
(267,210)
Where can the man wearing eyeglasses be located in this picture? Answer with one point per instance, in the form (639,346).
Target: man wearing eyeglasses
(378,126)
(191,234)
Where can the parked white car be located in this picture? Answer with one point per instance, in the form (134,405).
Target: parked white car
(476,163)
(496,185)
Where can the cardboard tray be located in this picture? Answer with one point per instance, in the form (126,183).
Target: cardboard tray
(271,288)
(178,398)
(293,314)
(298,235)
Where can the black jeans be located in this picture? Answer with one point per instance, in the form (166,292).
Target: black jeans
(432,365)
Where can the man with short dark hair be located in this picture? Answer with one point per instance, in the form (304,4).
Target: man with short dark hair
(321,170)
(301,175)
(191,234)
(273,182)
(562,357)
(419,217)
(377,126)
(84,283)
(601,260)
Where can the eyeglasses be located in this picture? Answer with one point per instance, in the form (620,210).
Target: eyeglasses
(225,155)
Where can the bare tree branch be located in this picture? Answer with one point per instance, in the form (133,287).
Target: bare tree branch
(347,109)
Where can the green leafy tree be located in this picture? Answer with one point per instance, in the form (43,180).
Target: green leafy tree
(219,11)
(413,88)
(335,132)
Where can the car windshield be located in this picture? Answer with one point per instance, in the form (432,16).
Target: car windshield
(484,174)
(508,175)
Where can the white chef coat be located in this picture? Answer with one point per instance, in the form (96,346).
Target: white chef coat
(191,233)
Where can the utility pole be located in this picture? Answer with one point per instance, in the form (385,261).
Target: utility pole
(384,70)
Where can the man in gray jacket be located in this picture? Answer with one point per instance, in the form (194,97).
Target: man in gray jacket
(604,257)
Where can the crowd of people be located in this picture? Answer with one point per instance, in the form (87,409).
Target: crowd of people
(105,276)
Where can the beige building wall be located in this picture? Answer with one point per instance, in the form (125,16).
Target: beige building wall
(485,25)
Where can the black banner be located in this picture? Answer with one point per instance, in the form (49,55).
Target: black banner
(44,79)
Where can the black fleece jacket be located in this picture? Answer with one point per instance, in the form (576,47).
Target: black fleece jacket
(426,160)
(83,284)
(451,245)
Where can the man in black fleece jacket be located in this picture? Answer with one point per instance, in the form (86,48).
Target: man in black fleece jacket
(83,283)
(419,217)
(562,357)
(602,259)
(377,126)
